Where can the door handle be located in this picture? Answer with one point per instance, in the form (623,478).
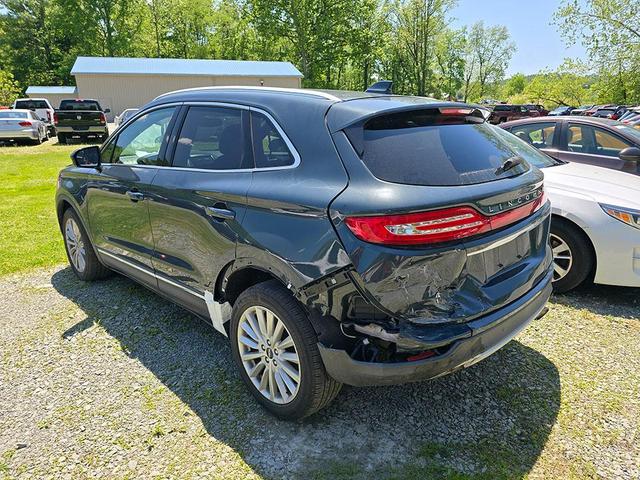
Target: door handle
(220,213)
(135,196)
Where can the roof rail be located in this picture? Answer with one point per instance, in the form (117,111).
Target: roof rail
(303,91)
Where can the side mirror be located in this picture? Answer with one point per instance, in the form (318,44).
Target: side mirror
(107,110)
(630,154)
(88,157)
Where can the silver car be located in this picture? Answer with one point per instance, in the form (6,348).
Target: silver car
(124,116)
(22,125)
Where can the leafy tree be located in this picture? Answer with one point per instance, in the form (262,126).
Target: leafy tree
(610,31)
(316,33)
(9,89)
(489,50)
(450,62)
(515,85)
(568,85)
(419,24)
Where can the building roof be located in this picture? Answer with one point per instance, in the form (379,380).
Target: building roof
(181,66)
(50,90)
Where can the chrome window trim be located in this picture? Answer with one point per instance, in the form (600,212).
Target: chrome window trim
(287,141)
(149,272)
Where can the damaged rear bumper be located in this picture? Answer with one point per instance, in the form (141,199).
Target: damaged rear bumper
(487,335)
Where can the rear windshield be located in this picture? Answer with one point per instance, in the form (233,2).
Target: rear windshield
(31,104)
(11,114)
(421,148)
(80,105)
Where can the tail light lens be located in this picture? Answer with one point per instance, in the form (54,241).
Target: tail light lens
(435,226)
(25,124)
(55,118)
(103,119)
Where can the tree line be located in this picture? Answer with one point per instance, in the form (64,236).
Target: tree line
(339,44)
(336,44)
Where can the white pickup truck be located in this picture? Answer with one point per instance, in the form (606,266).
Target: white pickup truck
(41,107)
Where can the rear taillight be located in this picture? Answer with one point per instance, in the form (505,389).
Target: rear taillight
(25,124)
(48,116)
(55,118)
(435,226)
(103,119)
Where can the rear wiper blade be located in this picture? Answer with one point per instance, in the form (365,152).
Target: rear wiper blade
(508,164)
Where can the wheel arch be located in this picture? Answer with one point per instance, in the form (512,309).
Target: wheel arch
(235,279)
(580,230)
(62,206)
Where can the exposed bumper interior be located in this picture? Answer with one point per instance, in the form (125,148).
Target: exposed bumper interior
(445,348)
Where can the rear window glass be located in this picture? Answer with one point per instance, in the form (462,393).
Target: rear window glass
(79,105)
(31,104)
(424,148)
(10,114)
(502,108)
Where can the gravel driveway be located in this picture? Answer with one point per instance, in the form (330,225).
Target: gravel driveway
(108,380)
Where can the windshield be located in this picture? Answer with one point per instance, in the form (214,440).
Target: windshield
(531,154)
(634,133)
(12,114)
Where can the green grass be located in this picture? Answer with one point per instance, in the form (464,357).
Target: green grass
(29,234)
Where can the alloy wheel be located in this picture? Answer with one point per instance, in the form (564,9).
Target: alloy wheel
(75,245)
(562,257)
(269,355)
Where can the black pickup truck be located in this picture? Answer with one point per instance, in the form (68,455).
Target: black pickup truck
(82,120)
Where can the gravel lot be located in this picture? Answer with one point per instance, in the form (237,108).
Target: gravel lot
(109,380)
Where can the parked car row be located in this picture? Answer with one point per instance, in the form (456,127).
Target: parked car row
(76,119)
(423,239)
(631,114)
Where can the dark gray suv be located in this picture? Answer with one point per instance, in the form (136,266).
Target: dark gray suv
(334,237)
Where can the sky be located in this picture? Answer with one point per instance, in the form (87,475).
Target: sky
(529,23)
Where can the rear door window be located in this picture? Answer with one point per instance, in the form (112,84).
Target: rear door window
(424,148)
(214,138)
(270,148)
(594,141)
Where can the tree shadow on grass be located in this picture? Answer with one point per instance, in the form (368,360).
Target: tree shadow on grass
(489,421)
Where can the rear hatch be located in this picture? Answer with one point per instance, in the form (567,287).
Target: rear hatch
(443,219)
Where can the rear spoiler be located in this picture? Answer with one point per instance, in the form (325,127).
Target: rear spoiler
(355,113)
(383,86)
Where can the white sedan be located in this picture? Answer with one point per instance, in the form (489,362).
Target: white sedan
(595,227)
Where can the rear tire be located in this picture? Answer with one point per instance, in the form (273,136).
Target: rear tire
(259,348)
(62,139)
(80,252)
(573,256)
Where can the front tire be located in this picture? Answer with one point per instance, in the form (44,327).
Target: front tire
(275,348)
(573,258)
(82,257)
